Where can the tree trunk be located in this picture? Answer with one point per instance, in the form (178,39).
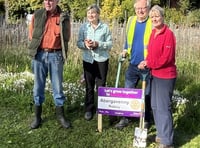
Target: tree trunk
(173,3)
(6,5)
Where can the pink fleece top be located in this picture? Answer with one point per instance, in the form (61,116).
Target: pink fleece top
(161,54)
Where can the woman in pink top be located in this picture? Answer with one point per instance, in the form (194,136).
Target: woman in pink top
(161,61)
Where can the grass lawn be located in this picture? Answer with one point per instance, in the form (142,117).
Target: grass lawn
(16,116)
(16,112)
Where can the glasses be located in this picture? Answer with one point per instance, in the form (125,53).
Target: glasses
(143,9)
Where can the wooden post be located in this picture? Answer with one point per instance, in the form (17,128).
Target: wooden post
(100,123)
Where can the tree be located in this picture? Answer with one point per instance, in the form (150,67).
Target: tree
(6,6)
(111,9)
(127,8)
(184,6)
(2,8)
(77,7)
(34,4)
(15,9)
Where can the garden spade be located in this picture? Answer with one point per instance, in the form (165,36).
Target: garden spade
(120,61)
(140,134)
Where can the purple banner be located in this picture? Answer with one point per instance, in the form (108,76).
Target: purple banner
(120,92)
(120,101)
(118,113)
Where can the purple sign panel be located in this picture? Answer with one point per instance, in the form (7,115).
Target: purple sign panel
(120,101)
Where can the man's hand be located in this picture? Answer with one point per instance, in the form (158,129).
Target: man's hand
(124,53)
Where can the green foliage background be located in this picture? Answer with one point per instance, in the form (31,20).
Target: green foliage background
(116,9)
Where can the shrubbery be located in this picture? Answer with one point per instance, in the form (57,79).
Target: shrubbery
(184,13)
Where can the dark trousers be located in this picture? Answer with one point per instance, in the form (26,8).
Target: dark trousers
(161,95)
(95,74)
(132,77)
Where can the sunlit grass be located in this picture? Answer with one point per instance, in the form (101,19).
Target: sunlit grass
(16,114)
(16,102)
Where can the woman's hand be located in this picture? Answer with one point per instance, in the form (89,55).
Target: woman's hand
(142,65)
(91,44)
(95,44)
(88,43)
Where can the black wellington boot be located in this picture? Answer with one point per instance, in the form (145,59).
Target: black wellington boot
(37,121)
(61,117)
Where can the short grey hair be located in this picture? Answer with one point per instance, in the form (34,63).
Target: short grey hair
(148,3)
(95,7)
(157,9)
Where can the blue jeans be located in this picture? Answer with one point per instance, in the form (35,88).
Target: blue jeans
(43,64)
(132,77)
(161,94)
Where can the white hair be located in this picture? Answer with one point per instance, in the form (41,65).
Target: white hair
(157,9)
(148,3)
(95,7)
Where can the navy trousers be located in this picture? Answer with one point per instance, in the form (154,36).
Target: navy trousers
(161,95)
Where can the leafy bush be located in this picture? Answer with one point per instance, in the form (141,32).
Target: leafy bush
(193,18)
(173,16)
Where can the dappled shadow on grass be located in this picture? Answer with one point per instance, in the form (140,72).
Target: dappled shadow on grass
(83,133)
(16,117)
